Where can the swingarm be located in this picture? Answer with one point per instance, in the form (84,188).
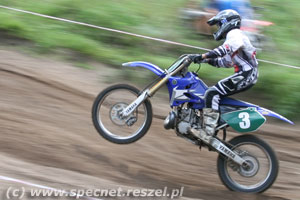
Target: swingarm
(222,148)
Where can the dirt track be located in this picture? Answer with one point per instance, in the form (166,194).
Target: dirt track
(47,137)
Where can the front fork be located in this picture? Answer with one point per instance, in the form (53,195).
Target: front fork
(131,107)
(142,97)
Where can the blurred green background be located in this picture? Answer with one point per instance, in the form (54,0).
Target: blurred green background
(278,88)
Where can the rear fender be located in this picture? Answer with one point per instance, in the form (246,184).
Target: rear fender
(270,113)
(155,69)
(261,110)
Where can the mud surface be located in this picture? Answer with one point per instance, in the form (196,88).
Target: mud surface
(47,137)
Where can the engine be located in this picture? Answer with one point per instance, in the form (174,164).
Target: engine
(182,119)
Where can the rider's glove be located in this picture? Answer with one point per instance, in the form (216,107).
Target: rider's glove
(198,59)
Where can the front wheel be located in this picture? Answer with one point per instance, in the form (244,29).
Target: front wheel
(261,171)
(107,120)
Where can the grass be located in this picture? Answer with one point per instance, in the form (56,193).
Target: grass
(279,87)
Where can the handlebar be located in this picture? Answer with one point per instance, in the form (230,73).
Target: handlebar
(184,61)
(190,56)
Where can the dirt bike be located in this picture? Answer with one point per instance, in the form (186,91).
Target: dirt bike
(122,114)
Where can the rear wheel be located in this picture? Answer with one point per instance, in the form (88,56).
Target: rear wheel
(107,120)
(258,175)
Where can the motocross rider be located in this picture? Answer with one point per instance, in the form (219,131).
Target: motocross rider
(236,52)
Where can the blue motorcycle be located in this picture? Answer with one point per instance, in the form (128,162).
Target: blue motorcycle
(122,114)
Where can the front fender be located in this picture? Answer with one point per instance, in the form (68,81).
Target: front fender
(155,69)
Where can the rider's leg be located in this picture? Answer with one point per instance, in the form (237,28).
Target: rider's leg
(225,87)
(228,86)
(211,111)
(210,115)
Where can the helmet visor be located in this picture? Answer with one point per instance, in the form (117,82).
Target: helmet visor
(212,21)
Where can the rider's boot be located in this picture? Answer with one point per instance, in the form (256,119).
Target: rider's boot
(210,122)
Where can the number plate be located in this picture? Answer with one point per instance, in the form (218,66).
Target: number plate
(246,120)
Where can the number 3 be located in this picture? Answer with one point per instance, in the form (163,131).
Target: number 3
(245,120)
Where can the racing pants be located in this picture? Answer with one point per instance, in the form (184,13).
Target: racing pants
(236,83)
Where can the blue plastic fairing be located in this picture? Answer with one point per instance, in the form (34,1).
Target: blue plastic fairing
(191,88)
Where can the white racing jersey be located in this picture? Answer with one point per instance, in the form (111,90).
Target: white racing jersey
(237,51)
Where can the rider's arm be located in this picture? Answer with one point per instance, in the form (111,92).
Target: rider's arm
(234,41)
(212,56)
(217,52)
(224,61)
